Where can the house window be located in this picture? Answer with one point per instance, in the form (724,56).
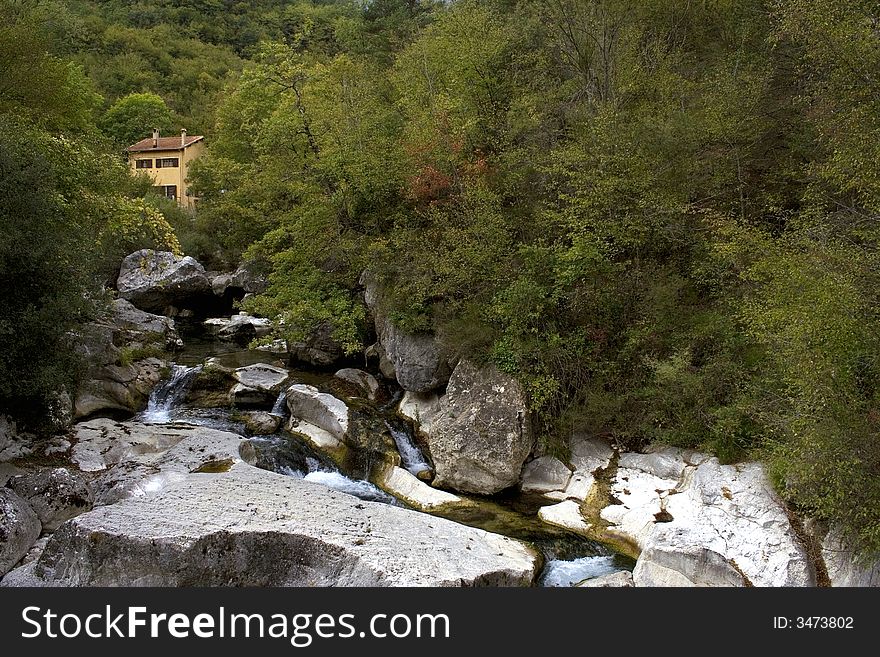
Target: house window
(167,162)
(144,164)
(168,191)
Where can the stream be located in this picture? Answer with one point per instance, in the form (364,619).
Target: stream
(568,557)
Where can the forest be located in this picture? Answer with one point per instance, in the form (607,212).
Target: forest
(662,217)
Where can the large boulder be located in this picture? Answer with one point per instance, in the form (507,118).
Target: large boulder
(121,387)
(699,523)
(155,280)
(55,494)
(482,436)
(249,527)
(19,529)
(419,362)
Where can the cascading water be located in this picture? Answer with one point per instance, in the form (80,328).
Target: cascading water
(411,456)
(280,407)
(169,394)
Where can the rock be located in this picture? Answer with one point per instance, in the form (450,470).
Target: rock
(620,579)
(482,435)
(136,459)
(421,409)
(248,527)
(19,529)
(260,423)
(697,522)
(545,474)
(685,565)
(55,494)
(262,377)
(154,280)
(588,457)
(320,409)
(238,283)
(13,445)
(8,471)
(122,356)
(35,551)
(419,363)
(319,349)
(845,568)
(239,328)
(363,380)
(134,325)
(210,387)
(124,387)
(567,515)
(258,385)
(407,487)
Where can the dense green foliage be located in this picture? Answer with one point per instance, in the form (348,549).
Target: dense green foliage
(68,212)
(660,215)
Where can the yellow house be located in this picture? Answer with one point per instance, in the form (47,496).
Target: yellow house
(166,160)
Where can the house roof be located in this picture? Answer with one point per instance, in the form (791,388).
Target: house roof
(165,144)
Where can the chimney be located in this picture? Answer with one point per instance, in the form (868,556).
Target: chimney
(155,137)
(183,137)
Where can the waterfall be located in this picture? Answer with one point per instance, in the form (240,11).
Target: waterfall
(411,456)
(168,394)
(280,407)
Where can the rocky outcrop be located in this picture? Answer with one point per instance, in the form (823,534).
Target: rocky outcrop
(12,444)
(364,382)
(19,529)
(699,523)
(135,459)
(248,527)
(239,328)
(545,474)
(122,353)
(55,494)
(482,435)
(155,280)
(418,361)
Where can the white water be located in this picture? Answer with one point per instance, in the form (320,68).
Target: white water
(337,481)
(411,456)
(169,394)
(280,407)
(568,573)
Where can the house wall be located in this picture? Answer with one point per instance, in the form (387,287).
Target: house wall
(170,175)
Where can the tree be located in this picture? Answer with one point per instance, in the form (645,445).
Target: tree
(134,116)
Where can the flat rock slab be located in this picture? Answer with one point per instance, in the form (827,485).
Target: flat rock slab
(249,527)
